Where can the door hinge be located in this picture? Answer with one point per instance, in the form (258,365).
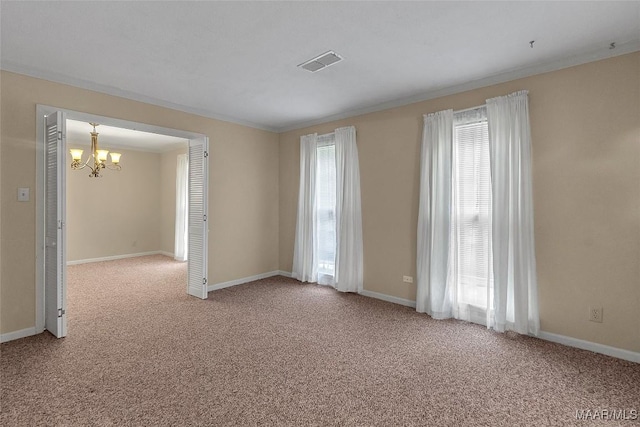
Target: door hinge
(204,217)
(60,225)
(60,312)
(204,281)
(206,154)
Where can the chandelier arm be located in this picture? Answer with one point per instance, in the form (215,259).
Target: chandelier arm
(113,167)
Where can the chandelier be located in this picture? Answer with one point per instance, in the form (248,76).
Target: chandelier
(99,157)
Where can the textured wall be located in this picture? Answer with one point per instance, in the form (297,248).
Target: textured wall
(586,176)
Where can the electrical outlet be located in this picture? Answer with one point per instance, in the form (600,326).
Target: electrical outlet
(407,279)
(595,314)
(23,194)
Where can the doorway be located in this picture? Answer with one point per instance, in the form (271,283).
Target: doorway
(53,165)
(131,209)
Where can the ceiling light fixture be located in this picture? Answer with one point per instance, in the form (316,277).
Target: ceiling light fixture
(321,61)
(99,157)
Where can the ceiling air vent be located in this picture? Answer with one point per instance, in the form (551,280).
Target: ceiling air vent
(320,62)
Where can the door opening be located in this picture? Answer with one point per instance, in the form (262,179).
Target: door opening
(51,244)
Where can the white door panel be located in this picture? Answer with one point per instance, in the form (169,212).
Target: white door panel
(55,254)
(198,221)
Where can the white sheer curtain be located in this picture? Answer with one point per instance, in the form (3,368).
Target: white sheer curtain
(304,256)
(349,262)
(182,209)
(328,241)
(476,257)
(434,287)
(514,265)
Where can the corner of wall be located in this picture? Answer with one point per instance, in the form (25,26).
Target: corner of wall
(278,136)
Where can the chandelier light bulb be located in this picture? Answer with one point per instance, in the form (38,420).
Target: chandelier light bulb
(115,158)
(102,155)
(76,154)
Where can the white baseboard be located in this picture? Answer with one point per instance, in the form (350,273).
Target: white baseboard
(388,298)
(15,335)
(370,294)
(620,353)
(547,336)
(169,254)
(114,257)
(242,280)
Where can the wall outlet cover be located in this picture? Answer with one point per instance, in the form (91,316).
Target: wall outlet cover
(595,314)
(23,194)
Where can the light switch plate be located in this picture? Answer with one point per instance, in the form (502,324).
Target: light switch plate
(23,194)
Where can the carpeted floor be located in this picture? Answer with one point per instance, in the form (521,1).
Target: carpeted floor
(275,352)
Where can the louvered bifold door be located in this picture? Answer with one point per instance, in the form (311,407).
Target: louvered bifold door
(54,252)
(198,228)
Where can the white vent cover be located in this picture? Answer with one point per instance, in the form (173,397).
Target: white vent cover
(320,62)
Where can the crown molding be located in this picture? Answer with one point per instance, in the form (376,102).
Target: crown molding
(54,77)
(566,62)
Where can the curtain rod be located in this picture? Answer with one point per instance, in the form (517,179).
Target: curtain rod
(469,109)
(326,134)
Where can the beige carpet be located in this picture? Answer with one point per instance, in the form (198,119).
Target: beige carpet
(274,352)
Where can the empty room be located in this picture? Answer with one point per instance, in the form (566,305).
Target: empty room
(337,213)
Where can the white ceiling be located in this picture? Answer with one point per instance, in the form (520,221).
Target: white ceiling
(109,137)
(238,60)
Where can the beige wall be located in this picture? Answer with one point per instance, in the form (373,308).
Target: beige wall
(586,173)
(168,199)
(116,214)
(243,186)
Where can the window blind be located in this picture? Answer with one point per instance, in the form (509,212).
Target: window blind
(471,210)
(326,205)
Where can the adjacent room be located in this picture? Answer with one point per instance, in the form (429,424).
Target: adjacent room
(128,210)
(320,213)
(135,208)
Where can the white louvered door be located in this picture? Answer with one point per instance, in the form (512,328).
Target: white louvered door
(55,251)
(198,224)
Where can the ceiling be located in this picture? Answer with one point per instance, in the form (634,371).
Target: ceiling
(237,61)
(109,137)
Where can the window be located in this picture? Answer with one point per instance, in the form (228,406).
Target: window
(181,239)
(476,212)
(326,206)
(328,243)
(471,216)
